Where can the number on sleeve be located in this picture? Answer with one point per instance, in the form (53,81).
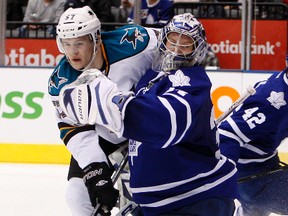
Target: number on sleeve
(253,120)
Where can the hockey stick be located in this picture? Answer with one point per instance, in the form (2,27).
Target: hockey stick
(122,164)
(114,178)
(263,174)
(249,91)
(128,208)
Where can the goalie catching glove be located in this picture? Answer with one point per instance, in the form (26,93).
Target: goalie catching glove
(94,99)
(98,181)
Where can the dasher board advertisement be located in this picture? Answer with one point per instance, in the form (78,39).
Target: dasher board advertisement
(28,128)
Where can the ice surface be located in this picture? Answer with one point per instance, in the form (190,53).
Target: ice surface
(33,190)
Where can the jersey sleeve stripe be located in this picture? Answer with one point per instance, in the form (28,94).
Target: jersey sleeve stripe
(188,115)
(230,135)
(237,130)
(172,120)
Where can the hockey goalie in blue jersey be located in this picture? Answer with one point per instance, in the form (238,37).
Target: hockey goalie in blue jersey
(251,136)
(175,163)
(123,55)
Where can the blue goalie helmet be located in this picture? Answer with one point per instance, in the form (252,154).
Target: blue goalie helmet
(172,59)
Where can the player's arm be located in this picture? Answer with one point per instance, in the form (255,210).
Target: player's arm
(100,102)
(83,143)
(94,99)
(250,121)
(166,13)
(170,115)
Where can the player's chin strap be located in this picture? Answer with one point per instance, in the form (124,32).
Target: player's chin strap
(282,166)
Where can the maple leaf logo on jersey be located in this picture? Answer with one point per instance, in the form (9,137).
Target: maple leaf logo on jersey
(277,99)
(56,80)
(132,35)
(179,79)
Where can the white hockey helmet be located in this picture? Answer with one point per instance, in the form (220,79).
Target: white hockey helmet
(77,22)
(183,24)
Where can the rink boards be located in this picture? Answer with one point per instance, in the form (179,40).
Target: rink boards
(28,129)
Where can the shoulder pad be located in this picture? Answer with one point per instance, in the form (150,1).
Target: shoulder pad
(125,42)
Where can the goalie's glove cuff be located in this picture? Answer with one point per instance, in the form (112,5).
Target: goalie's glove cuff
(98,181)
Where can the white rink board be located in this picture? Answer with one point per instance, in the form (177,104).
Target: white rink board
(19,85)
(18,129)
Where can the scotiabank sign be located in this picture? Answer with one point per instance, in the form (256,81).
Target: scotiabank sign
(268,43)
(32,52)
(269,46)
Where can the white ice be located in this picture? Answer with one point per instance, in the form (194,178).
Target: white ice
(33,190)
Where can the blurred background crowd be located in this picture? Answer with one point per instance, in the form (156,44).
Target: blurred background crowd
(38,18)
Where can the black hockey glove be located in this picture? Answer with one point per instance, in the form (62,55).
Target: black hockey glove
(98,181)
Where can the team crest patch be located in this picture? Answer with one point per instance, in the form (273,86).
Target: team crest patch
(277,99)
(179,79)
(132,35)
(55,80)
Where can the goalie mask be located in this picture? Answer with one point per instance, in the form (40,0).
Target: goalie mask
(77,22)
(186,47)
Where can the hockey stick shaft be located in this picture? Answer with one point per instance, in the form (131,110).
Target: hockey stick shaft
(128,208)
(259,175)
(122,164)
(114,179)
(249,91)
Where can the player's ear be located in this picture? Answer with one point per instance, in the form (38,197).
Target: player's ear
(99,41)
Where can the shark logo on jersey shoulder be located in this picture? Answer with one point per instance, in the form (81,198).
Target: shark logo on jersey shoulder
(277,99)
(179,79)
(56,80)
(132,35)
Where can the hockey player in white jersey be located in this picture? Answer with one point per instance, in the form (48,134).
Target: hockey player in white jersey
(123,55)
(175,162)
(251,136)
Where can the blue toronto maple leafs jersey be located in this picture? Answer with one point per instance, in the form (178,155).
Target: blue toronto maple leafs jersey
(256,128)
(158,13)
(127,53)
(174,156)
